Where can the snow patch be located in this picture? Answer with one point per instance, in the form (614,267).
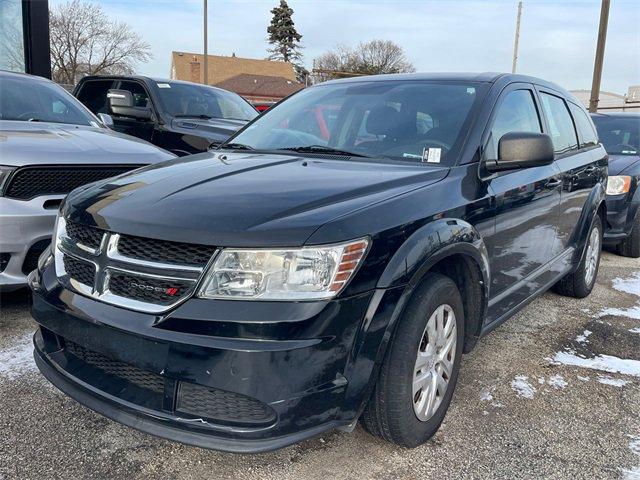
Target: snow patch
(628,285)
(487,396)
(635,330)
(632,473)
(557,382)
(614,382)
(582,338)
(632,312)
(603,363)
(522,386)
(583,378)
(17,359)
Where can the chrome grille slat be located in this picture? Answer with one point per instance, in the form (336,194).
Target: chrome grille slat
(138,284)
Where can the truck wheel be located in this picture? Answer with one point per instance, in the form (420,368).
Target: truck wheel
(580,283)
(630,246)
(420,369)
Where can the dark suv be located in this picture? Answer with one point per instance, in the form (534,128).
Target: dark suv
(181,117)
(286,284)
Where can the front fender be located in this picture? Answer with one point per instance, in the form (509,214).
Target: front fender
(421,251)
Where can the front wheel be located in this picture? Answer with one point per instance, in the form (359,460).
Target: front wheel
(630,246)
(420,370)
(580,283)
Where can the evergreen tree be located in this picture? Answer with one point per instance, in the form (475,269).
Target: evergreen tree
(283,35)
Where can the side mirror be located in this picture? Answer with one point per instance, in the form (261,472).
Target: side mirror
(106,119)
(121,103)
(522,150)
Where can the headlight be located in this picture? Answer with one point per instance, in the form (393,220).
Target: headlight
(5,172)
(307,273)
(59,229)
(618,185)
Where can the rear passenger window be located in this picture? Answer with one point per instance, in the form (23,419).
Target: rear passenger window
(561,126)
(516,113)
(586,133)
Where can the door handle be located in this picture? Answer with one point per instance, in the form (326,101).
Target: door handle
(554,182)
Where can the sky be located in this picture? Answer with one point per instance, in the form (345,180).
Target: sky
(557,38)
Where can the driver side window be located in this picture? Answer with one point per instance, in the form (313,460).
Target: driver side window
(516,113)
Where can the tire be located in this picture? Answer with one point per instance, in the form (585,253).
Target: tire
(580,283)
(630,246)
(390,412)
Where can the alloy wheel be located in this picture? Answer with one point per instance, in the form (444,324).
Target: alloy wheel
(434,363)
(592,256)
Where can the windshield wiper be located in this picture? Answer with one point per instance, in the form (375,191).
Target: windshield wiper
(234,146)
(325,149)
(186,115)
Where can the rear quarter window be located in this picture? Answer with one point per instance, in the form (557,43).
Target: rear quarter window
(586,132)
(560,123)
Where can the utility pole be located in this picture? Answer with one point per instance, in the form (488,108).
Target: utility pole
(517,39)
(597,67)
(206,55)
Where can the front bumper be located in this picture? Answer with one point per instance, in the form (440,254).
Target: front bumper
(22,225)
(289,357)
(621,214)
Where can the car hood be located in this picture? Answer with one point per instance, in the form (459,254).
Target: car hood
(239,199)
(618,164)
(215,128)
(41,143)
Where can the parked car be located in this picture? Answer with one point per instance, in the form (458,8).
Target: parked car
(49,145)
(181,117)
(283,285)
(620,135)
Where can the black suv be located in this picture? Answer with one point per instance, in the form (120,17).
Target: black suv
(181,117)
(286,284)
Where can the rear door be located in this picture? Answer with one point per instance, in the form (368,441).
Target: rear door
(577,158)
(526,203)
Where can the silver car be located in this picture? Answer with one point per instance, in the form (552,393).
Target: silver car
(49,145)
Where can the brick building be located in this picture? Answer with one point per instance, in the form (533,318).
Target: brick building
(256,80)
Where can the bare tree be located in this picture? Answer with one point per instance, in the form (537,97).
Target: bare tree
(368,58)
(84,41)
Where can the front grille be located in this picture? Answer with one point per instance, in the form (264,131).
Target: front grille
(84,234)
(83,272)
(30,182)
(147,289)
(164,251)
(116,368)
(221,405)
(31,259)
(137,273)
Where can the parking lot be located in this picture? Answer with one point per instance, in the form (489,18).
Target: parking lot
(553,393)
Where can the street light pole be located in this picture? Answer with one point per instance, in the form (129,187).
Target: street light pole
(206,55)
(597,68)
(517,39)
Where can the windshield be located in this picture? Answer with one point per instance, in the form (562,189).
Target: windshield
(619,135)
(404,120)
(191,100)
(30,100)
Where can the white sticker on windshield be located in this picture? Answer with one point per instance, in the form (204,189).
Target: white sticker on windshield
(431,155)
(164,85)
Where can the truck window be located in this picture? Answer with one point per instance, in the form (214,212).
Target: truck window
(140,96)
(561,126)
(93,94)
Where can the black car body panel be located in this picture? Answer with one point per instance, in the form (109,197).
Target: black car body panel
(180,135)
(312,363)
(622,210)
